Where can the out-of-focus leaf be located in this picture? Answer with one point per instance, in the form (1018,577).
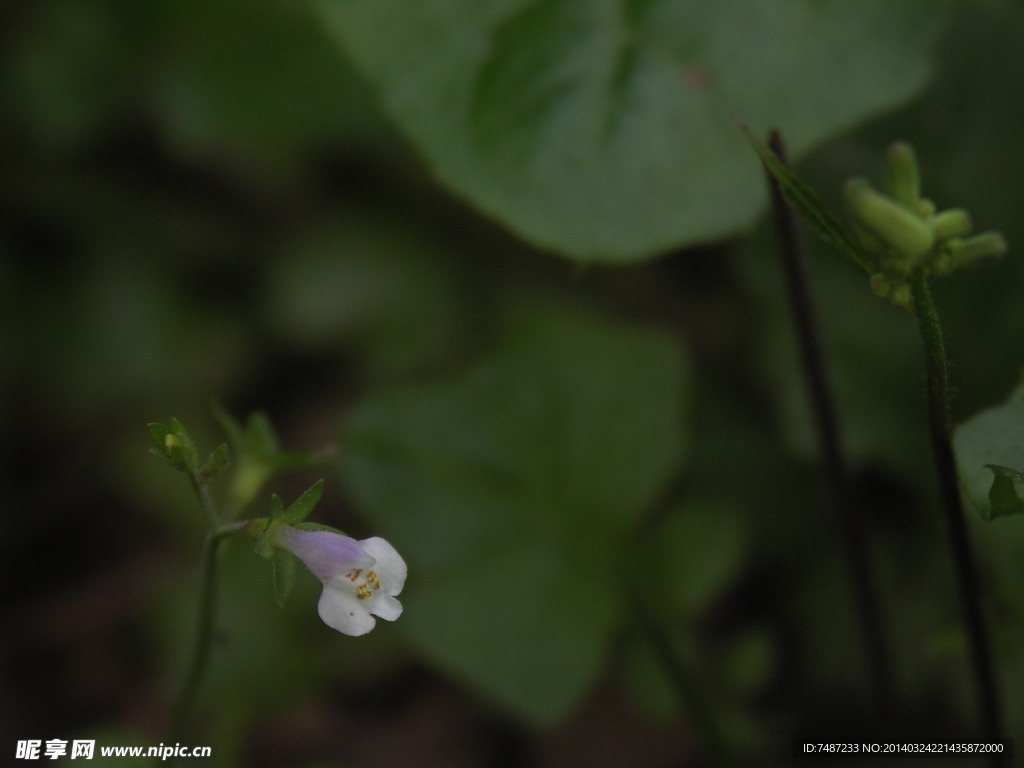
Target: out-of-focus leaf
(254,84)
(602,129)
(512,491)
(1006,497)
(372,285)
(987,445)
(694,553)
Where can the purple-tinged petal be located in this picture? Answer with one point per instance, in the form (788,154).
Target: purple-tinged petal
(329,556)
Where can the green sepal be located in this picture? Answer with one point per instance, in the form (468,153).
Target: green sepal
(263,546)
(1006,497)
(216,463)
(284,575)
(299,509)
(276,508)
(804,200)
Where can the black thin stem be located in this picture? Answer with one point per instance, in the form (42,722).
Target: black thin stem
(964,567)
(867,604)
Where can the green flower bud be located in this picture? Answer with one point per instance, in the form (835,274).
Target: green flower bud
(955,222)
(925,208)
(987,245)
(902,178)
(892,223)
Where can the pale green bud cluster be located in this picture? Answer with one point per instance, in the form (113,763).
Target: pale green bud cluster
(905,232)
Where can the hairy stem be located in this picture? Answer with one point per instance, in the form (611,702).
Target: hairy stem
(204,631)
(965,570)
(206,504)
(794,266)
(201,647)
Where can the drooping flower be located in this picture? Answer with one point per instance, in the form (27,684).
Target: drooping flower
(360,578)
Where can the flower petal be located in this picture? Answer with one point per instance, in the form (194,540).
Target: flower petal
(328,555)
(386,607)
(391,568)
(341,610)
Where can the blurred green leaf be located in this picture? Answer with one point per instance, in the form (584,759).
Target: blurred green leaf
(988,444)
(693,555)
(602,129)
(254,84)
(512,492)
(373,284)
(1006,496)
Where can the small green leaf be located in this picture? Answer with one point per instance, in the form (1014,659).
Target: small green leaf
(215,464)
(804,200)
(284,575)
(1006,497)
(299,509)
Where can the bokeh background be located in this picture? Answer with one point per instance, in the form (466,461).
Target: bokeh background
(211,202)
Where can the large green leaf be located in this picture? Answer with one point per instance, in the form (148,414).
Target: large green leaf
(602,128)
(990,456)
(513,493)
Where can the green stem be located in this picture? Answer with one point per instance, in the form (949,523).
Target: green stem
(965,570)
(204,631)
(202,491)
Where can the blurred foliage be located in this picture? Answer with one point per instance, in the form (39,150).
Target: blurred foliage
(517,493)
(599,129)
(203,201)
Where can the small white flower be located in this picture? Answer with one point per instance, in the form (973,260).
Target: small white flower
(361,578)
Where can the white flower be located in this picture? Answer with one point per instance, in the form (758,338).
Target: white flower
(361,578)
